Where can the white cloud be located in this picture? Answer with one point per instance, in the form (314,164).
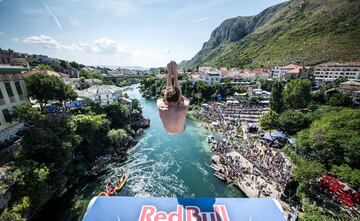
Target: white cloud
(106,45)
(102,45)
(43,40)
(103,51)
(48,42)
(53,16)
(201,19)
(16,39)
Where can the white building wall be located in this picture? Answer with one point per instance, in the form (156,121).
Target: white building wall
(278,73)
(332,72)
(8,104)
(210,78)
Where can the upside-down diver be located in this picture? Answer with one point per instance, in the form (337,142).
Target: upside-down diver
(173,106)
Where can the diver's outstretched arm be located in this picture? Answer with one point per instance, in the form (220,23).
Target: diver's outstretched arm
(169,75)
(176,81)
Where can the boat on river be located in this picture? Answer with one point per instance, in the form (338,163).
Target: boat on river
(220,176)
(111,189)
(120,184)
(215,167)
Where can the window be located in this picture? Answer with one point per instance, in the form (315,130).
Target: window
(18,88)
(9,90)
(7,115)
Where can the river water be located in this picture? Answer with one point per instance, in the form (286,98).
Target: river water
(160,165)
(167,165)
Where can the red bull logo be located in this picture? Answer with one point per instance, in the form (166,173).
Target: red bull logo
(190,213)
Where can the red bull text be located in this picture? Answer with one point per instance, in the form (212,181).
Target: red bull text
(190,213)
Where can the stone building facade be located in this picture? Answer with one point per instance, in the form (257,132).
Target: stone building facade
(12,92)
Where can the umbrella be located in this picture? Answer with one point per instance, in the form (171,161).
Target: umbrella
(269,137)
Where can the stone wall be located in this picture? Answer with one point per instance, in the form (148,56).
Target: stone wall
(12,130)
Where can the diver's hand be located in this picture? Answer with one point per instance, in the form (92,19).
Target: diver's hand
(163,107)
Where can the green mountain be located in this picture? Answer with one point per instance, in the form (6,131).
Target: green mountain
(299,31)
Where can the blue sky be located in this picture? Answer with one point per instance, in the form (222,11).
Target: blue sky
(147,33)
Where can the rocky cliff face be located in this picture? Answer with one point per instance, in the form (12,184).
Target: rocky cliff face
(287,32)
(229,31)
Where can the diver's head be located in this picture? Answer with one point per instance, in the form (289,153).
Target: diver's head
(172,95)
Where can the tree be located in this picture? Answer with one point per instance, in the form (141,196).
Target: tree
(333,139)
(318,97)
(292,121)
(265,84)
(306,173)
(311,212)
(297,94)
(347,174)
(74,65)
(276,98)
(63,64)
(26,113)
(44,67)
(340,99)
(16,212)
(135,104)
(67,94)
(340,80)
(44,88)
(117,114)
(33,180)
(118,138)
(269,121)
(48,141)
(91,130)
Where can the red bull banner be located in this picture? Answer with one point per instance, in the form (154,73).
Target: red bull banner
(183,209)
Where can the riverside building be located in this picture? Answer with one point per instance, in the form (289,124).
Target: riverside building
(12,93)
(287,72)
(331,71)
(210,75)
(100,94)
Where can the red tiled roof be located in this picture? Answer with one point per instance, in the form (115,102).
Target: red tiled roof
(291,66)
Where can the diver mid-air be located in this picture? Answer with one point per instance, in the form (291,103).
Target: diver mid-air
(173,106)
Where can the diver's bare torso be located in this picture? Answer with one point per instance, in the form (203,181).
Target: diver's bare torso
(173,116)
